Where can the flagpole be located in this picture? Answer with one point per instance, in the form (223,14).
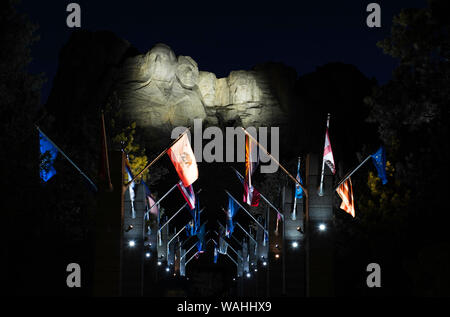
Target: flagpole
(320,193)
(294,211)
(156,159)
(167,193)
(105,144)
(246,211)
(262,196)
(63,154)
(353,171)
(276,161)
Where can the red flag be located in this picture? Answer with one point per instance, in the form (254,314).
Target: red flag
(184,161)
(345,191)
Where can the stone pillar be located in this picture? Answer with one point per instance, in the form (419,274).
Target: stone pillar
(133,243)
(321,274)
(108,233)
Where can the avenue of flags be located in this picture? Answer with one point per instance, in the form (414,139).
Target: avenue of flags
(182,157)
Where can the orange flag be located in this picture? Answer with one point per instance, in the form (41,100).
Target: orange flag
(345,191)
(184,161)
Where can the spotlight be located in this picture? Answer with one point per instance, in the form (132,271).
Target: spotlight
(234,279)
(147,255)
(264,263)
(322,227)
(295,244)
(277,256)
(131,243)
(167,269)
(129,228)
(256,270)
(299,229)
(248,274)
(159,263)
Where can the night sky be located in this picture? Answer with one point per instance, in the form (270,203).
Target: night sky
(225,36)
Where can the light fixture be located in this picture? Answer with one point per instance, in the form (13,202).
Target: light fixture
(248,274)
(131,243)
(167,269)
(322,227)
(159,263)
(295,244)
(129,228)
(147,255)
(264,263)
(277,256)
(234,279)
(256,270)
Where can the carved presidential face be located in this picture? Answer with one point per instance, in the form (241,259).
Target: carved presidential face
(162,63)
(187,72)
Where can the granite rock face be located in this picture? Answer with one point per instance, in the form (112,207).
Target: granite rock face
(163,91)
(160,90)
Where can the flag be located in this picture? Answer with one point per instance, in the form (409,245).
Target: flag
(48,156)
(190,228)
(256,195)
(278,221)
(184,161)
(194,224)
(251,196)
(345,191)
(131,188)
(298,188)
(188,194)
(201,239)
(216,254)
(151,204)
(104,174)
(328,153)
(233,208)
(379,159)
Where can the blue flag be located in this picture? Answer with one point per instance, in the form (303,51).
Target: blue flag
(201,238)
(233,208)
(298,188)
(216,254)
(379,159)
(48,156)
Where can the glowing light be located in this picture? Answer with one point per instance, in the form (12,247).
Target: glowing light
(294,244)
(322,227)
(167,269)
(256,270)
(277,256)
(159,263)
(264,263)
(131,243)
(147,255)
(248,275)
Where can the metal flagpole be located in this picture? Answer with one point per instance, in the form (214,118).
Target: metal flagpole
(294,211)
(351,173)
(320,193)
(235,240)
(239,225)
(164,196)
(178,212)
(156,159)
(263,197)
(246,211)
(63,154)
(276,161)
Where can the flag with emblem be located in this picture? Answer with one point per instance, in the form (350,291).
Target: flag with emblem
(379,160)
(184,161)
(345,191)
(328,158)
